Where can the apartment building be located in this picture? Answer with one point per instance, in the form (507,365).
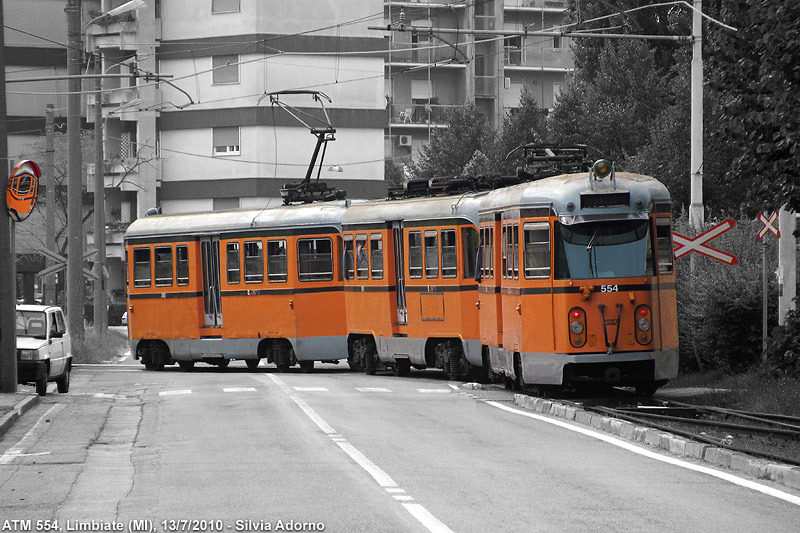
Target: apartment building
(444,53)
(192,126)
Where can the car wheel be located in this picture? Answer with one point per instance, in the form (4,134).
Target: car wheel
(63,383)
(41,385)
(252,364)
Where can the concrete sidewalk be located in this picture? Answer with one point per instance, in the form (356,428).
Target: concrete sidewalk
(13,405)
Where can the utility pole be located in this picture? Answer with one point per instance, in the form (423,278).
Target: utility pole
(50,201)
(74,285)
(100,311)
(8,278)
(696,210)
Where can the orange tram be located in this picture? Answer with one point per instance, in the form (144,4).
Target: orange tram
(565,280)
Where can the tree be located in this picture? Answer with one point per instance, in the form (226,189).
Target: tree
(522,125)
(756,75)
(451,148)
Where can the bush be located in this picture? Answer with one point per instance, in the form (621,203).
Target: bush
(783,349)
(720,305)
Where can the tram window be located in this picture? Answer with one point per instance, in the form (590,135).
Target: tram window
(515,249)
(376,255)
(253,262)
(488,252)
(508,252)
(537,249)
(182,264)
(449,257)
(431,254)
(362,258)
(608,249)
(163,260)
(469,243)
(315,259)
(276,261)
(141,267)
(349,268)
(664,246)
(414,254)
(232,258)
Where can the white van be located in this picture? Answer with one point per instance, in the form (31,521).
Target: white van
(43,347)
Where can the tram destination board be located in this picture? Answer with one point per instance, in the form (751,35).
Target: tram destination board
(616,199)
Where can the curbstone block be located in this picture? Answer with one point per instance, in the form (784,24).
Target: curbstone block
(652,436)
(718,456)
(748,465)
(626,429)
(677,446)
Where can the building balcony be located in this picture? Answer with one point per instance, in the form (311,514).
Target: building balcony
(485,86)
(415,114)
(535,5)
(433,4)
(428,53)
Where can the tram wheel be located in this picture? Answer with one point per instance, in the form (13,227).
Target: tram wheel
(252,364)
(283,357)
(370,357)
(306,367)
(402,367)
(223,363)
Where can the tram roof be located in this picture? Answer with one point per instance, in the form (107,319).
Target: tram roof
(557,191)
(209,222)
(463,206)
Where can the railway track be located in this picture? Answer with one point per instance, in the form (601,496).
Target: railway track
(769,436)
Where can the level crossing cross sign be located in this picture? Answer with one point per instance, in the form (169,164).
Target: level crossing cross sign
(698,244)
(768,225)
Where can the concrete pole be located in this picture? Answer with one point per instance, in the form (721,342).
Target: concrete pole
(787,271)
(696,211)
(8,277)
(50,202)
(100,311)
(74,286)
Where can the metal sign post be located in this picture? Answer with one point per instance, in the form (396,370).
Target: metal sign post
(769,227)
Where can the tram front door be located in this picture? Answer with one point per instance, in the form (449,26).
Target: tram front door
(212,308)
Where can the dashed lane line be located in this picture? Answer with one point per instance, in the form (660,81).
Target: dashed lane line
(419,512)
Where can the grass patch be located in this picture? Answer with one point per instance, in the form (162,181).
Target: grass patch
(752,391)
(101,348)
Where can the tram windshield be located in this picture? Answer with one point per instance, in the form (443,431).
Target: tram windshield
(608,249)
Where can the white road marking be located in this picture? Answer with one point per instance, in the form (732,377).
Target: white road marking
(174,392)
(426,518)
(454,387)
(106,395)
(372,389)
(311,389)
(769,491)
(382,478)
(403,498)
(17,450)
(434,391)
(239,389)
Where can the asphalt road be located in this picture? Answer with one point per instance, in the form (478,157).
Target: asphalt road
(257,451)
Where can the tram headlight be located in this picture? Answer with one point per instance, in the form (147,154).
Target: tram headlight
(644,325)
(601,169)
(577,327)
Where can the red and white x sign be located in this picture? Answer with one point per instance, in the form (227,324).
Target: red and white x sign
(768,225)
(698,244)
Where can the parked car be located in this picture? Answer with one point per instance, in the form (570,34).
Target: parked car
(124,318)
(44,352)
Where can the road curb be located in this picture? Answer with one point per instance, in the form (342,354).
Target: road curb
(759,468)
(8,419)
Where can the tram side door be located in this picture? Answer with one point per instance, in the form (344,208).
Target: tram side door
(399,272)
(212,303)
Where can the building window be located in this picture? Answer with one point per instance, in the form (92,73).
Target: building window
(141,267)
(253,262)
(226,69)
(558,42)
(276,261)
(163,266)
(512,48)
(449,257)
(376,253)
(414,254)
(182,264)
(556,92)
(537,249)
(224,6)
(315,259)
(226,141)
(232,261)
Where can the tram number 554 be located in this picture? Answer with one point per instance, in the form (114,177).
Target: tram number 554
(609,288)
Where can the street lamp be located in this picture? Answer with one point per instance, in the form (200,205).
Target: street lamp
(100,298)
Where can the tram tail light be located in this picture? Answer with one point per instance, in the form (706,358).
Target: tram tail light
(577,327)
(644,324)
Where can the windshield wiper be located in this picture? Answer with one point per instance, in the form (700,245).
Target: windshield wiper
(589,250)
